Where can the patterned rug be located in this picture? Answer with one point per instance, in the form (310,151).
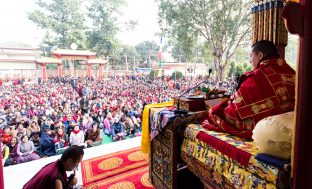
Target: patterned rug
(133,179)
(108,170)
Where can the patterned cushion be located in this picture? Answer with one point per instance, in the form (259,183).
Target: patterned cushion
(273,135)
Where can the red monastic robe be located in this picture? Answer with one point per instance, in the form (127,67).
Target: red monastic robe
(268,90)
(47,176)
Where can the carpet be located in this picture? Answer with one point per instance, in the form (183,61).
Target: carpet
(133,179)
(111,165)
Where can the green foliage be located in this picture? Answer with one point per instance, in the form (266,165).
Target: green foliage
(147,52)
(103,14)
(232,69)
(153,74)
(238,69)
(125,54)
(177,54)
(224,25)
(177,75)
(94,28)
(64,21)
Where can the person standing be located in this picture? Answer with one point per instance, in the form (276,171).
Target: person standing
(53,175)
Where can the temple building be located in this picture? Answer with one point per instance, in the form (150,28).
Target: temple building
(18,61)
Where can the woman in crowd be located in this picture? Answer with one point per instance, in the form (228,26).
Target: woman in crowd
(60,140)
(129,127)
(12,159)
(25,150)
(107,124)
(100,119)
(93,136)
(137,126)
(77,137)
(20,128)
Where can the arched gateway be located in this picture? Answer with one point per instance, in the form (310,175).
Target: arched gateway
(86,57)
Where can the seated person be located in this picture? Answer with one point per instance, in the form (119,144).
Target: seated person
(13,152)
(137,126)
(5,152)
(93,136)
(25,150)
(47,147)
(35,138)
(6,135)
(269,89)
(60,140)
(129,127)
(77,137)
(20,128)
(117,130)
(107,124)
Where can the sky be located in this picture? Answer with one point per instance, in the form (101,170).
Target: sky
(15,25)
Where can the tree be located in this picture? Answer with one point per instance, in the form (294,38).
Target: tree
(63,20)
(125,56)
(176,75)
(152,74)
(231,71)
(223,24)
(236,70)
(147,52)
(177,54)
(103,15)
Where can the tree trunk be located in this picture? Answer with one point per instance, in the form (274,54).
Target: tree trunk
(221,73)
(218,68)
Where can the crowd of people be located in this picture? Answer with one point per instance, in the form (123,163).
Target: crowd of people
(43,118)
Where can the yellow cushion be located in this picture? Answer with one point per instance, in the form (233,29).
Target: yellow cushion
(273,135)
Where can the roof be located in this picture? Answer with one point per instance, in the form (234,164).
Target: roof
(17,60)
(48,60)
(97,61)
(72,52)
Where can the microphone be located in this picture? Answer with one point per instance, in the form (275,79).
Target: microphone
(178,110)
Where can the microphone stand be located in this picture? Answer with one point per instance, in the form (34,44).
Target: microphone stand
(178,111)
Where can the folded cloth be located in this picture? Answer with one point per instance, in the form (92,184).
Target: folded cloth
(278,162)
(145,141)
